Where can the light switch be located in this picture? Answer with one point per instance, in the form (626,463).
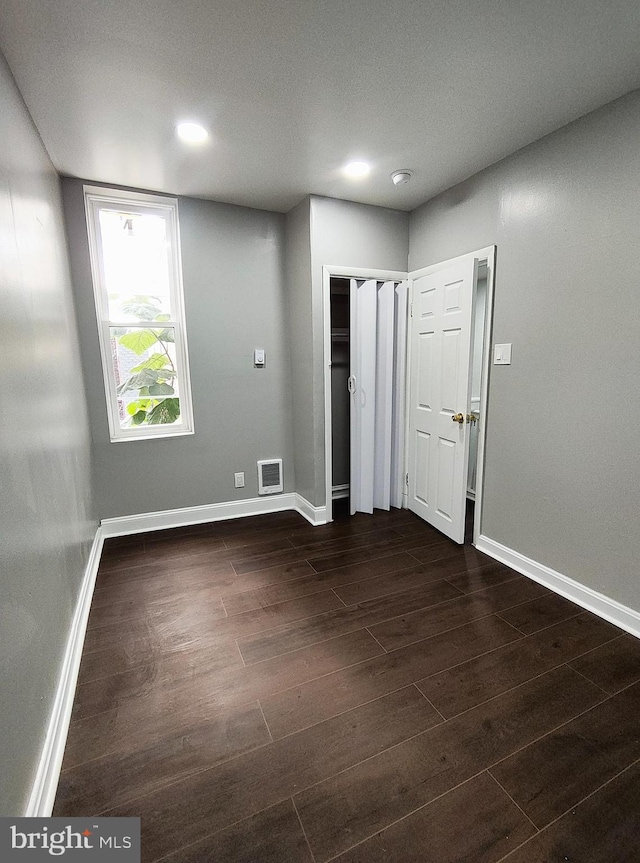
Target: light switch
(502,355)
(258,357)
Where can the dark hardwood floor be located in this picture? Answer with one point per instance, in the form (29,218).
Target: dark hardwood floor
(262,691)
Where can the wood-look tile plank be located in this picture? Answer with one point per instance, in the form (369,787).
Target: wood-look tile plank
(260,525)
(271,836)
(476,822)
(265,577)
(118,659)
(403,628)
(145,721)
(184,627)
(359,802)
(417,526)
(158,610)
(384,542)
(553,774)
(380,518)
(245,539)
(205,563)
(238,602)
(483,577)
(273,616)
(163,586)
(186,552)
(602,829)
(540,613)
(477,680)
(322,563)
(448,568)
(415,575)
(251,564)
(101,783)
(156,545)
(338,530)
(326,696)
(168,555)
(303,632)
(194,623)
(118,543)
(471,556)
(161,582)
(612,666)
(224,682)
(318,547)
(214,799)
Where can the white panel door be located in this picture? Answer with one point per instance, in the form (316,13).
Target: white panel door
(398,487)
(441,329)
(362,386)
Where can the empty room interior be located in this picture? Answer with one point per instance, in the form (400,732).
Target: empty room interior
(320,505)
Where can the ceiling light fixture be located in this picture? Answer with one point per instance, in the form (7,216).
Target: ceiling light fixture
(193,133)
(357,170)
(401,177)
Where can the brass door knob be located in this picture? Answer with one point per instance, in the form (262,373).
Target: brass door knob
(458,418)
(472,418)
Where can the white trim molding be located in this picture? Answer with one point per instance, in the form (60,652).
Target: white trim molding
(609,609)
(314,514)
(44,788)
(169,518)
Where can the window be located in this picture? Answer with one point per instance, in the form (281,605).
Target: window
(134,244)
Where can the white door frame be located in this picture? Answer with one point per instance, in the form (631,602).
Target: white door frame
(330,271)
(487,254)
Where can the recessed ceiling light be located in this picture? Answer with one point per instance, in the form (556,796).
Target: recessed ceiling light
(192,132)
(357,169)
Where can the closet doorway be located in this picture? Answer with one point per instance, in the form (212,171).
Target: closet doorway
(365,314)
(340,397)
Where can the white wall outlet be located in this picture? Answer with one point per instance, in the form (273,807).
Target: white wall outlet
(502,355)
(239,479)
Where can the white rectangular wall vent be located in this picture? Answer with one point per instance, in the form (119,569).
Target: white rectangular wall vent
(270,476)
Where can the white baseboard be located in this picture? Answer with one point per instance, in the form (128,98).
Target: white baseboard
(609,609)
(45,784)
(314,514)
(165,519)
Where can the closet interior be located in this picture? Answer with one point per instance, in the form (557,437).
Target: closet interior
(340,397)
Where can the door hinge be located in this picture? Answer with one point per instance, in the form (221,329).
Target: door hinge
(406,479)
(410,310)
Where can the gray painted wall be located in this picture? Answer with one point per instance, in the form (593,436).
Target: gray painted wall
(562,463)
(351,235)
(45,504)
(233,271)
(298,286)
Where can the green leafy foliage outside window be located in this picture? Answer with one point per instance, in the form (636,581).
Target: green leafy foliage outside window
(152,382)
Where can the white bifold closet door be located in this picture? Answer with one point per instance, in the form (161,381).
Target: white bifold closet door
(377,349)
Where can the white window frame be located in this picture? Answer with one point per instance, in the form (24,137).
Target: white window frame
(96,198)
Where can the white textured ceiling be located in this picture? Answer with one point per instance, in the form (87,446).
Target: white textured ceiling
(291,89)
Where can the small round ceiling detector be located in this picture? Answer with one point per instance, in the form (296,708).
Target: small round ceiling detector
(401,177)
